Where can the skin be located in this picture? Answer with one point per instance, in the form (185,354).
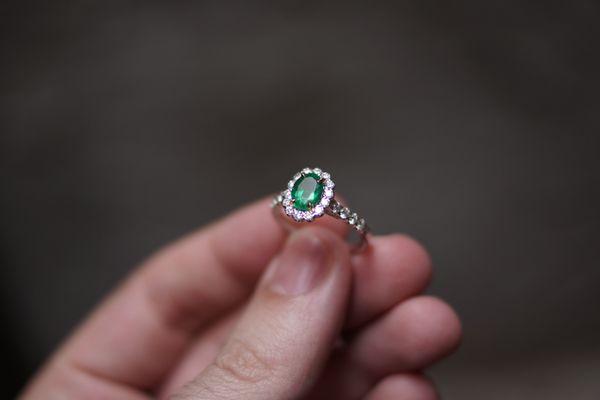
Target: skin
(241,309)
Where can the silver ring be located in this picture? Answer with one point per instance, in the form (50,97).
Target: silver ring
(310,194)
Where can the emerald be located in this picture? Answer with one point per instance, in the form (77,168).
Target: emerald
(307,191)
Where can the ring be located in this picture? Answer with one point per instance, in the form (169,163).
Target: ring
(310,194)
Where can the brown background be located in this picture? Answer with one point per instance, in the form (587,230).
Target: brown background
(471,125)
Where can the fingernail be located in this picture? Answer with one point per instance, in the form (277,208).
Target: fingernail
(302,264)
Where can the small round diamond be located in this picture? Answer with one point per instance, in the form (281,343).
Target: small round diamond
(296,214)
(344,213)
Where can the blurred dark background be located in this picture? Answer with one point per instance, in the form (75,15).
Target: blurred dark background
(475,125)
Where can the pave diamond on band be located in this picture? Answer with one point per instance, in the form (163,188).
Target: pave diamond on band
(309,195)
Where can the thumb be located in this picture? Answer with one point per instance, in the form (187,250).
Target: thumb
(284,337)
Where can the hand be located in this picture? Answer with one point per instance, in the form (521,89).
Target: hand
(239,311)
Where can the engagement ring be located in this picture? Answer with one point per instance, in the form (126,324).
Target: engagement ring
(309,195)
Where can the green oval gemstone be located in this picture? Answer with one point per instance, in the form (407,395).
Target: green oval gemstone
(307,192)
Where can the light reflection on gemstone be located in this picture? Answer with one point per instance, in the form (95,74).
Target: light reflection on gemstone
(307,192)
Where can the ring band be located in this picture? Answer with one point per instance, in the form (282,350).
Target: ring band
(310,194)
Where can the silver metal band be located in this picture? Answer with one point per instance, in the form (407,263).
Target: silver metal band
(358,234)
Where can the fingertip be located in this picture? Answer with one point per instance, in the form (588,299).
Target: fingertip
(431,328)
(285,334)
(404,254)
(404,387)
(394,268)
(338,251)
(411,336)
(333,240)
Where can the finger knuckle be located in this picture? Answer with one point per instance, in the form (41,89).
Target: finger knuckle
(243,362)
